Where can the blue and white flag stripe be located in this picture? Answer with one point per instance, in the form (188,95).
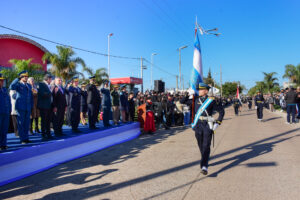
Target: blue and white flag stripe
(197,74)
(203,107)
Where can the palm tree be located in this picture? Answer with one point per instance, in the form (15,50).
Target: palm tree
(34,70)
(100,74)
(63,65)
(270,81)
(292,72)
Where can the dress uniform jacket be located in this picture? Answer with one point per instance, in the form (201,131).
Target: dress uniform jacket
(24,98)
(5,109)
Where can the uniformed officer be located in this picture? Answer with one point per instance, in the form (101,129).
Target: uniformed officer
(106,103)
(249,99)
(204,128)
(74,104)
(259,105)
(24,104)
(236,105)
(5,109)
(93,101)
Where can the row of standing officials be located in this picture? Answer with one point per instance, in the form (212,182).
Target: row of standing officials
(53,102)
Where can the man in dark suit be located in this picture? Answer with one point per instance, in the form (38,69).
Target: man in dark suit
(74,104)
(59,106)
(93,100)
(45,105)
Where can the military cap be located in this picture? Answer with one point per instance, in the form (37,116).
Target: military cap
(116,86)
(23,73)
(105,81)
(203,86)
(75,78)
(1,77)
(122,86)
(91,77)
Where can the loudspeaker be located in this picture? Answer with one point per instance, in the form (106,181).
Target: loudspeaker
(159,86)
(156,85)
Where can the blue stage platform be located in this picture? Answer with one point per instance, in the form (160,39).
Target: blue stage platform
(20,161)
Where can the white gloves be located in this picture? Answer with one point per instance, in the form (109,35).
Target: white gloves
(216,125)
(255,107)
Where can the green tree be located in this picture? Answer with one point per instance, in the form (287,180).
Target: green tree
(100,74)
(292,72)
(34,70)
(270,81)
(63,63)
(230,88)
(209,80)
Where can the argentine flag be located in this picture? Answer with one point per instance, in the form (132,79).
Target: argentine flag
(197,74)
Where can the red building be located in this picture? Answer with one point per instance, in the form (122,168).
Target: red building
(18,47)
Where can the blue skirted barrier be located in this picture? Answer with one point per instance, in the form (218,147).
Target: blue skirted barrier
(30,160)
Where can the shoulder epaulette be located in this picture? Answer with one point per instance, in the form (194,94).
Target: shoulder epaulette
(213,98)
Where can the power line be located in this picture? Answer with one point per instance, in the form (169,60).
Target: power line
(159,68)
(57,43)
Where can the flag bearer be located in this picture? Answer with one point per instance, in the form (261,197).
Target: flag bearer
(204,125)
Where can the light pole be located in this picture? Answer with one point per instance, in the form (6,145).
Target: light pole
(153,54)
(179,49)
(108,49)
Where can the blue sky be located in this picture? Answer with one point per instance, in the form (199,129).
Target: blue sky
(257,35)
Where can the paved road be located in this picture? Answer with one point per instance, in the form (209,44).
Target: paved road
(250,160)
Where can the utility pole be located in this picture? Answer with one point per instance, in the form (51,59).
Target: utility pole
(151,83)
(221,80)
(142,86)
(108,56)
(142,68)
(183,83)
(176,82)
(179,49)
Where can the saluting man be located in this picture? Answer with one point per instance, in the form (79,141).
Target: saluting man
(93,101)
(24,104)
(204,125)
(259,105)
(5,109)
(74,104)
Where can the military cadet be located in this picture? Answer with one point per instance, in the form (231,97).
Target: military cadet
(236,105)
(24,104)
(106,103)
(93,101)
(259,105)
(74,104)
(249,99)
(5,109)
(204,125)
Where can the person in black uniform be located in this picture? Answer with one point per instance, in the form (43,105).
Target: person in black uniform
(83,104)
(93,100)
(204,128)
(170,111)
(236,105)
(259,105)
(74,104)
(249,99)
(59,106)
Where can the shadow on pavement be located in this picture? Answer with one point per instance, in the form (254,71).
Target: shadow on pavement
(66,174)
(270,119)
(70,173)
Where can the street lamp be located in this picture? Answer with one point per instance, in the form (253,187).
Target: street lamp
(179,49)
(153,54)
(108,61)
